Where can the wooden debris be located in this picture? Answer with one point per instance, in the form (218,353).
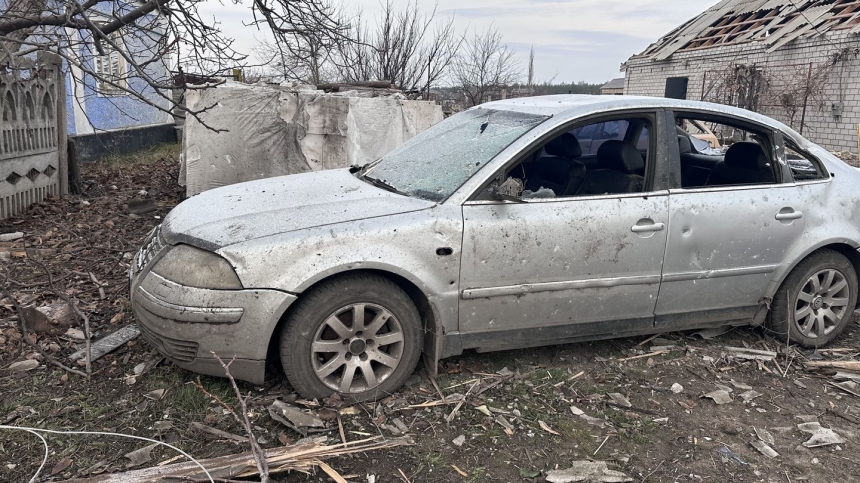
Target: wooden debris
(847,365)
(751,354)
(642,356)
(299,457)
(110,343)
(217,432)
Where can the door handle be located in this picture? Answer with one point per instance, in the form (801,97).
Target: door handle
(645,228)
(789,215)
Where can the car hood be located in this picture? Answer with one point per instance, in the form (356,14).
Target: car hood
(256,209)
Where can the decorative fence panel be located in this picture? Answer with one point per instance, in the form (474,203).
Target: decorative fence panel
(32,129)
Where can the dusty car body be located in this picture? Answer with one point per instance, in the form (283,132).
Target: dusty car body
(491,272)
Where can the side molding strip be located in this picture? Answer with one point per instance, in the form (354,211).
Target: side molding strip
(725,272)
(477,293)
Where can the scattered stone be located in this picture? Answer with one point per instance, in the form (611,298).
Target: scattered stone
(799,384)
(21,366)
(720,396)
(661,420)
(459,440)
(619,399)
(676,388)
(138,369)
(7,237)
(504,372)
(76,334)
(576,411)
(591,471)
(750,395)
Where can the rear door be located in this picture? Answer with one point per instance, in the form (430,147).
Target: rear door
(723,245)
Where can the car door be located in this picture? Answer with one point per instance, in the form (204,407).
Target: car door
(723,245)
(547,270)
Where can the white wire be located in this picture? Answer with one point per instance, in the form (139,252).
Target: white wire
(36,431)
(45,443)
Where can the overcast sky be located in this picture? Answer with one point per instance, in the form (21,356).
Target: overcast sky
(573,39)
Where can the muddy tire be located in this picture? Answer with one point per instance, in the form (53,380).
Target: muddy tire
(358,336)
(816,301)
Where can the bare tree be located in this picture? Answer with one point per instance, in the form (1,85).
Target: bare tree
(485,65)
(119,44)
(304,55)
(405,47)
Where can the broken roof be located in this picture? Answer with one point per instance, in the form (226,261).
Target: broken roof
(775,22)
(614,84)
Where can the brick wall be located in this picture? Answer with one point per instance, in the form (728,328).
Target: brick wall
(841,84)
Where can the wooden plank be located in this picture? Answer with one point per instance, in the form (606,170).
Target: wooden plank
(300,457)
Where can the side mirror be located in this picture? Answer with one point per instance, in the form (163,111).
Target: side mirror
(510,190)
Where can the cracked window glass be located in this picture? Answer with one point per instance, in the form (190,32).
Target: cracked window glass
(433,164)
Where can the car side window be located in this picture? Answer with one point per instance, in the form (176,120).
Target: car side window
(718,152)
(804,167)
(573,164)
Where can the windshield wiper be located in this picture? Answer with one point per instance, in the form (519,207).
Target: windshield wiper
(382,184)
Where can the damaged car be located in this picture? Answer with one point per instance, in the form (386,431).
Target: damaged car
(496,229)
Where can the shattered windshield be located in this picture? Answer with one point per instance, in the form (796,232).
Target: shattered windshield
(433,164)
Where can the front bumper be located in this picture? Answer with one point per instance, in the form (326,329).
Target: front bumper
(187,325)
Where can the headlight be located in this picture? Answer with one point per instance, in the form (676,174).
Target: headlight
(194,267)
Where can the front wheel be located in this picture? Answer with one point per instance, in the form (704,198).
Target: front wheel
(816,301)
(358,336)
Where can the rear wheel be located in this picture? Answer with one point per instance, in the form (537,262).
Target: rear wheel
(816,301)
(358,336)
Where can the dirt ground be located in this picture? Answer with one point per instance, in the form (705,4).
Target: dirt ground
(524,412)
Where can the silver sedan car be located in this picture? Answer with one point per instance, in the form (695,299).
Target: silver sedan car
(495,229)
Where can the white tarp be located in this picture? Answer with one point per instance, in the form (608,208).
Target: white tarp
(271,131)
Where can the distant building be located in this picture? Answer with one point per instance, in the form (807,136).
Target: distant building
(615,87)
(796,61)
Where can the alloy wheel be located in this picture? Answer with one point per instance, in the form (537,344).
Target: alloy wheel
(821,303)
(357,347)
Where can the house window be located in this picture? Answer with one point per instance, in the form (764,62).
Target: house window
(111,68)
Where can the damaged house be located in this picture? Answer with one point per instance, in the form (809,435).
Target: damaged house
(795,60)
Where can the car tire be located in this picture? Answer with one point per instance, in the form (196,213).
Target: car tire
(345,328)
(816,301)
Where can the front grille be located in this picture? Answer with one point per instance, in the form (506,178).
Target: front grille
(175,349)
(151,247)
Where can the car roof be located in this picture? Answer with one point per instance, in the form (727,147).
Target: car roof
(574,105)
